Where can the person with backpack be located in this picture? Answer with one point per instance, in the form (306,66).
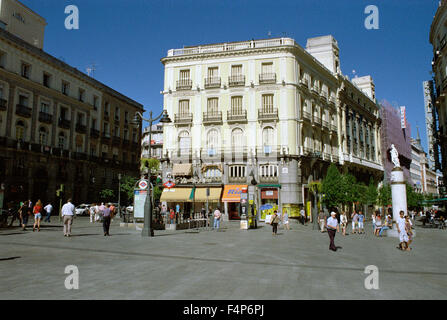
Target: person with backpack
(274,222)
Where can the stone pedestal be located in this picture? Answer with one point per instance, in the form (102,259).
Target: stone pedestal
(399,197)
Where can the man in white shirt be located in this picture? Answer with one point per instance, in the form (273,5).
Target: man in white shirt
(403,236)
(48,209)
(332,227)
(68,212)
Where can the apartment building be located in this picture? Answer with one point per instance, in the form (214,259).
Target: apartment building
(269,110)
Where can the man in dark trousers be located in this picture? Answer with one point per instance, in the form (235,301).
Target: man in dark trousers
(332,227)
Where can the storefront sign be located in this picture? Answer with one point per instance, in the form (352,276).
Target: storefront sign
(244,224)
(269,193)
(169,184)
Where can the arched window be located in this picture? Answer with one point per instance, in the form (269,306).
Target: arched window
(268,135)
(61,140)
(212,141)
(237,139)
(20,130)
(43,136)
(184,141)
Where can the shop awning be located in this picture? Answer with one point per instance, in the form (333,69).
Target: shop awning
(176,195)
(232,193)
(182,169)
(269,186)
(214,194)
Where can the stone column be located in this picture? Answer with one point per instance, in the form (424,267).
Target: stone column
(398,192)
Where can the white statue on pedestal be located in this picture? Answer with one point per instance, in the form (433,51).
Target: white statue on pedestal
(394,156)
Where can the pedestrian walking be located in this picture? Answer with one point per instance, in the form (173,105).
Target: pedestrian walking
(100,212)
(360,222)
(37,211)
(302,216)
(401,229)
(355,220)
(107,215)
(343,222)
(48,209)
(92,212)
(408,227)
(321,220)
(274,222)
(217,216)
(25,213)
(285,220)
(68,212)
(332,228)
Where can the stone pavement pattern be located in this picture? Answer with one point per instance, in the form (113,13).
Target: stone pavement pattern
(228,264)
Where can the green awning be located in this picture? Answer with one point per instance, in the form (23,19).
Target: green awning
(269,186)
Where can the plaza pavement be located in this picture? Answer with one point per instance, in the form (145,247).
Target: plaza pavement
(227,264)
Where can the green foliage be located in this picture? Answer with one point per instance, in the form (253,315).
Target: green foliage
(331,187)
(127,188)
(157,193)
(414,199)
(152,165)
(384,195)
(371,193)
(106,195)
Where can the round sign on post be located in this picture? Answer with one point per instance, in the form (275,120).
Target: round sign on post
(142,184)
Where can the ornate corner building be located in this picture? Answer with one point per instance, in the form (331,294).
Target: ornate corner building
(57,125)
(438,39)
(269,110)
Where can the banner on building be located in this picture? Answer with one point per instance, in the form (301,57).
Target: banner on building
(403,121)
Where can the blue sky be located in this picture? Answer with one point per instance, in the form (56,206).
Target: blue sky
(127,38)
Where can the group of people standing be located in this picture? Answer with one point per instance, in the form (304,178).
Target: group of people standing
(104,212)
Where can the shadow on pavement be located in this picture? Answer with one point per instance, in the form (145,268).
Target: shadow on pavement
(10,258)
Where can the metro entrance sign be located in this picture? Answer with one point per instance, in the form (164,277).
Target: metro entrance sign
(141,199)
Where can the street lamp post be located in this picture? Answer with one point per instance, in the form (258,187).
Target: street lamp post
(148,230)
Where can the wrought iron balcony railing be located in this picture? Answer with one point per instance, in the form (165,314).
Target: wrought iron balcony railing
(212,82)
(183,118)
(267,78)
(64,123)
(23,111)
(45,117)
(212,117)
(237,80)
(237,116)
(185,84)
(268,114)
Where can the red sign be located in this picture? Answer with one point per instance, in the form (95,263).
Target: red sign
(169,184)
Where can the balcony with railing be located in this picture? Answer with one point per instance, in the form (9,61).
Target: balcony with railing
(105,137)
(333,127)
(232,46)
(307,116)
(237,80)
(212,82)
(80,128)
(268,114)
(304,83)
(23,111)
(325,124)
(212,117)
(332,101)
(315,90)
(116,141)
(184,84)
(45,117)
(64,123)
(237,116)
(265,78)
(3,104)
(183,118)
(94,134)
(317,120)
